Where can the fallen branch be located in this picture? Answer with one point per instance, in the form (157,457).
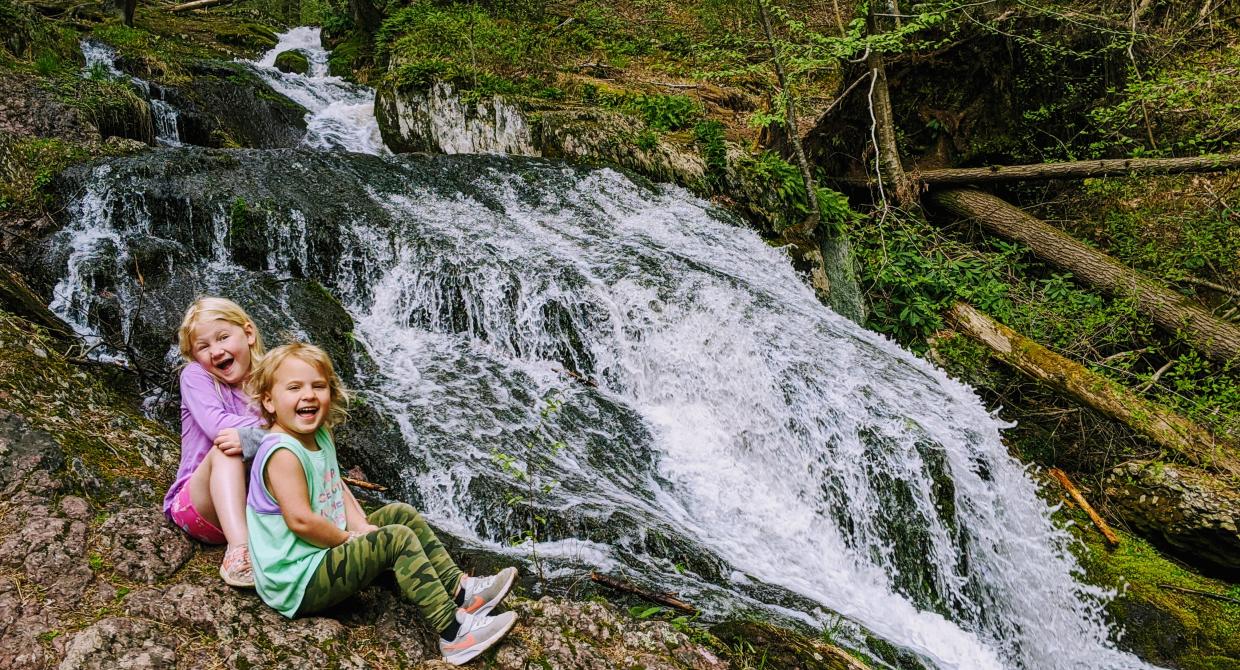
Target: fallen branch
(1199,592)
(197,4)
(1157,423)
(666,599)
(1111,537)
(578,376)
(1173,312)
(1235,293)
(362,484)
(1079,169)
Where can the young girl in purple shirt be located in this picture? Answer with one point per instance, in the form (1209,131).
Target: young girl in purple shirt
(207,500)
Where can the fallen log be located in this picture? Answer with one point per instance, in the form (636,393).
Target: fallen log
(1157,423)
(18,298)
(196,4)
(1173,312)
(666,599)
(1079,169)
(1111,538)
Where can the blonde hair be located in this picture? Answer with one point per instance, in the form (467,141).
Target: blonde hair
(210,308)
(263,377)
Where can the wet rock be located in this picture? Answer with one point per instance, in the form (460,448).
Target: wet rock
(293,61)
(784,649)
(26,451)
(1191,513)
(118,644)
(143,546)
(230,106)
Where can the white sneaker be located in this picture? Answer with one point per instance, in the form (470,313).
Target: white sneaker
(482,594)
(478,632)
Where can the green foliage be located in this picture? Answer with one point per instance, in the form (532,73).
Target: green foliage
(785,184)
(646,140)
(48,63)
(709,138)
(664,112)
(1191,106)
(33,164)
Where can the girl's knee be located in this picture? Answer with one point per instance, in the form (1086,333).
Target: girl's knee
(396,536)
(400,512)
(222,461)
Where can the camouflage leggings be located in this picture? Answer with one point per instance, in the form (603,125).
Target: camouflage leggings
(425,573)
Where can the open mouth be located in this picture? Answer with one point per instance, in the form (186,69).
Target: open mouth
(307,412)
(225,365)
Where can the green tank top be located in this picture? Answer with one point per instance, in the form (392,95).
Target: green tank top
(283,562)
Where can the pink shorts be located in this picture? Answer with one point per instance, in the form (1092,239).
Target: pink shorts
(184,515)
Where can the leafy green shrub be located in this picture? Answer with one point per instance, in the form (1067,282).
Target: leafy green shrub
(646,139)
(708,135)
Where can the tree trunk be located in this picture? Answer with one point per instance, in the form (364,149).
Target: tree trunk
(124,9)
(893,174)
(1160,425)
(1173,312)
(365,16)
(197,4)
(1079,169)
(829,254)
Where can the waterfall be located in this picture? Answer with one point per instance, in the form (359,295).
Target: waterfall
(341,115)
(101,61)
(737,440)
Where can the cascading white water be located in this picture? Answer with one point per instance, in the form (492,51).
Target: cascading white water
(341,115)
(732,409)
(101,60)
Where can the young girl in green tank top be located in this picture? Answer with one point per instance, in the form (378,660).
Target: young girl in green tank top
(312,545)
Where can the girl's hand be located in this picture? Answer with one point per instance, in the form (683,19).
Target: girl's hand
(229,442)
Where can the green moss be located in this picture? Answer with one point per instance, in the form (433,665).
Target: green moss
(98,427)
(33,164)
(30,38)
(1161,625)
(293,60)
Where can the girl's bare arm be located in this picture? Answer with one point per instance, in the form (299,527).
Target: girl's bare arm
(287,482)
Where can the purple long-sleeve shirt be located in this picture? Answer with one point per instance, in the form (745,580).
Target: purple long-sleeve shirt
(207,407)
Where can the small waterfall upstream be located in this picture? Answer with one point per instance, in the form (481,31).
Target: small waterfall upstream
(341,115)
(101,60)
(740,443)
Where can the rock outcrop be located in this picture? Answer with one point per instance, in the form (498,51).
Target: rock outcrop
(1190,513)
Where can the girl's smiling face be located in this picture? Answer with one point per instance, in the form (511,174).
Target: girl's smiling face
(299,399)
(223,349)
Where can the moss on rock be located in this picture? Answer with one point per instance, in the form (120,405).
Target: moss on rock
(1162,625)
(293,61)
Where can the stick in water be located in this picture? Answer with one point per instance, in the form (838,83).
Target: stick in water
(629,587)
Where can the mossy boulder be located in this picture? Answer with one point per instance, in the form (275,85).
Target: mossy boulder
(228,106)
(1160,606)
(251,36)
(780,648)
(293,61)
